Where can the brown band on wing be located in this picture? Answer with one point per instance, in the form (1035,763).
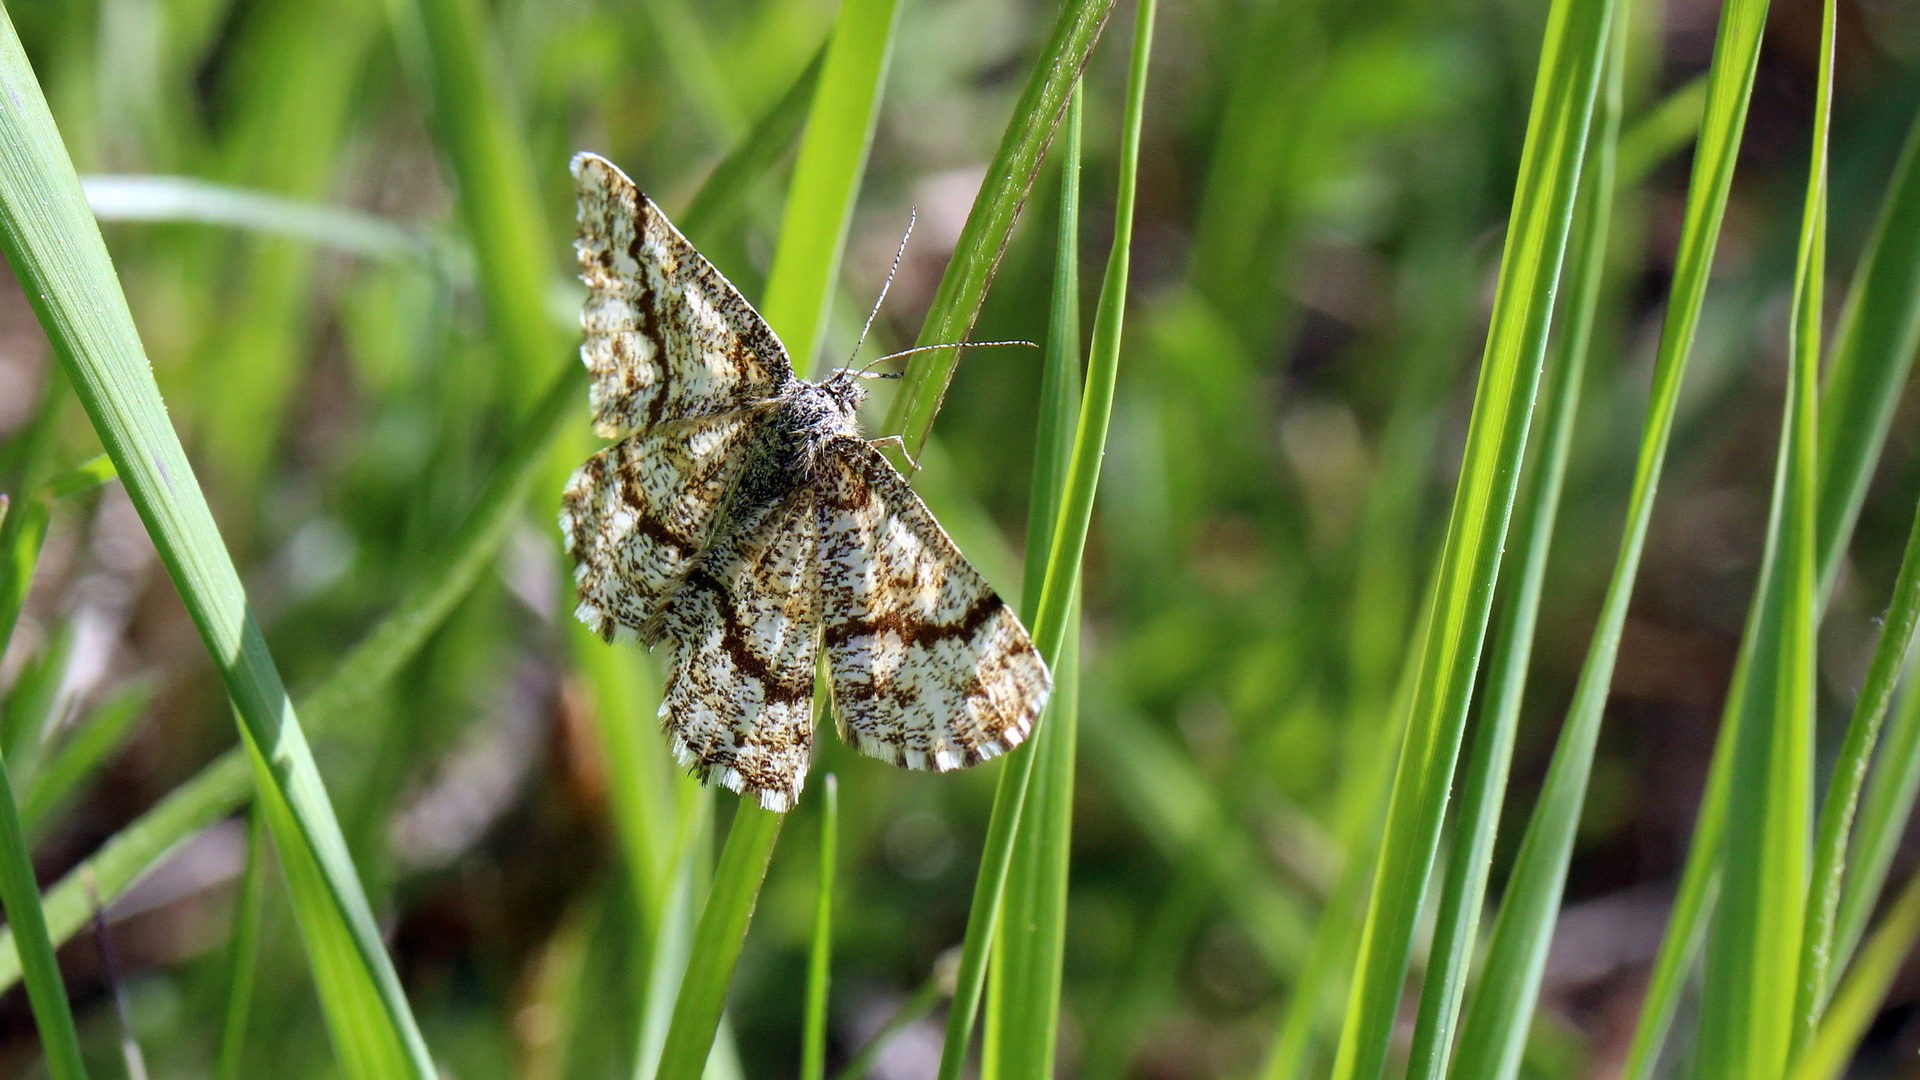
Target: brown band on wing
(913,631)
(733,640)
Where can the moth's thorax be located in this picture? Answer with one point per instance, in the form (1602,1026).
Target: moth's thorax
(808,414)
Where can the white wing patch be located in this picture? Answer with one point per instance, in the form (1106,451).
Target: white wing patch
(637,515)
(931,669)
(665,335)
(742,634)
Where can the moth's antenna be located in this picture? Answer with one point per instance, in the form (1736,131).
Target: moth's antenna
(913,215)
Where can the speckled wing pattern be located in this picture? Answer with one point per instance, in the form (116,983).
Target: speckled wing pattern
(638,514)
(665,335)
(930,667)
(742,635)
(697,530)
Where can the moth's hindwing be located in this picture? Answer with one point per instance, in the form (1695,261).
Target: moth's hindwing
(665,335)
(931,669)
(742,634)
(638,514)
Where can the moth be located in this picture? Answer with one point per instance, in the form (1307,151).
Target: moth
(743,522)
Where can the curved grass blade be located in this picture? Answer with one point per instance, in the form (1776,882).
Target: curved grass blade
(55,247)
(989,225)
(826,176)
(1751,1022)
(722,197)
(81,754)
(813,1049)
(819,205)
(1860,996)
(717,938)
(1063,555)
(499,197)
(1563,107)
(1872,352)
(1483,789)
(190,199)
(223,785)
(1023,1008)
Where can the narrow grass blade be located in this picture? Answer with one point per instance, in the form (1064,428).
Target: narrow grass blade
(1885,810)
(223,785)
(55,247)
(79,756)
(186,198)
(46,993)
(813,1050)
(1872,353)
(990,223)
(1483,788)
(717,939)
(1061,581)
(243,953)
(723,196)
(1750,1021)
(1860,996)
(819,205)
(499,198)
(1023,1010)
(826,176)
(1564,99)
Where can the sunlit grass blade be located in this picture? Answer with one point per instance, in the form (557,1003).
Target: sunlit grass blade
(1859,998)
(499,200)
(1872,353)
(243,953)
(826,176)
(1564,99)
(990,223)
(186,198)
(1750,1020)
(1021,1029)
(1491,1048)
(722,197)
(819,205)
(56,250)
(1052,611)
(717,939)
(813,1048)
(223,785)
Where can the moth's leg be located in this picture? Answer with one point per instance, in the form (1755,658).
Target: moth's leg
(899,443)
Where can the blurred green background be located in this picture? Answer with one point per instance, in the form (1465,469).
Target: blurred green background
(1323,190)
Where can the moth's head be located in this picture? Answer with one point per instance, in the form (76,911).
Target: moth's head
(847,386)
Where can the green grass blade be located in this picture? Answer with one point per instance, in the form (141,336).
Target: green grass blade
(1751,1022)
(826,176)
(243,953)
(1859,999)
(1563,105)
(499,197)
(723,196)
(55,247)
(990,223)
(917,1007)
(1052,611)
(717,939)
(79,756)
(1023,1008)
(1491,1046)
(223,785)
(1872,353)
(819,204)
(813,1049)
(1885,808)
(186,198)
(1873,349)
(46,993)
